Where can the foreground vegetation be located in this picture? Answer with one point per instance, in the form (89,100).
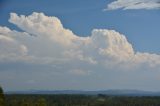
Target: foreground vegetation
(79,100)
(2,98)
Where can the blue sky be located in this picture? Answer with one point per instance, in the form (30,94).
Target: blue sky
(86,68)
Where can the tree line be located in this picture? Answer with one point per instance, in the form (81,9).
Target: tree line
(13,101)
(74,100)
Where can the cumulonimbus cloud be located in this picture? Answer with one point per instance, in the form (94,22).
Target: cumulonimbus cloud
(133,4)
(46,41)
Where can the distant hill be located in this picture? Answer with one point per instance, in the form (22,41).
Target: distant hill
(105,92)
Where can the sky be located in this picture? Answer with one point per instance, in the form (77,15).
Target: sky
(79,44)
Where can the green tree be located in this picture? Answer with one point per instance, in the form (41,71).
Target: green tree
(41,102)
(1,97)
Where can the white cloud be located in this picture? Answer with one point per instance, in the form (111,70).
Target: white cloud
(133,4)
(43,26)
(46,41)
(10,49)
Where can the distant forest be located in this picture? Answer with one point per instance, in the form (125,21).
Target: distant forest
(79,100)
(75,100)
